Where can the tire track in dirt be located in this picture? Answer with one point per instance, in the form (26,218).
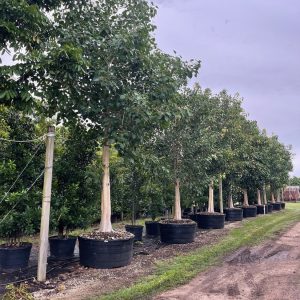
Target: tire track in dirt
(270,271)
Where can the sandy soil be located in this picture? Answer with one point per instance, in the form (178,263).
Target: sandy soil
(268,271)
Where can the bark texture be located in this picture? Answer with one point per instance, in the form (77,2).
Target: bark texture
(272,198)
(221,194)
(230,200)
(258,197)
(211,197)
(265,195)
(246,203)
(105,224)
(177,207)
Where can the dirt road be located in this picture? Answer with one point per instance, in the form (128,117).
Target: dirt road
(269,271)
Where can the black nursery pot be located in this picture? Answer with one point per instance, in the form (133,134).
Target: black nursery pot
(193,217)
(177,233)
(262,209)
(13,258)
(211,220)
(270,208)
(276,206)
(249,211)
(282,205)
(152,228)
(61,247)
(137,230)
(101,254)
(233,214)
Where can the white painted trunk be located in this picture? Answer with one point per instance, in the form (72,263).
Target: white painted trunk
(246,203)
(258,197)
(221,194)
(177,206)
(230,201)
(105,224)
(278,196)
(265,195)
(211,198)
(272,198)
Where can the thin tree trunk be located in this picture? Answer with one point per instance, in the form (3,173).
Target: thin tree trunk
(177,207)
(258,197)
(221,194)
(265,195)
(211,198)
(272,197)
(246,203)
(282,195)
(133,213)
(105,224)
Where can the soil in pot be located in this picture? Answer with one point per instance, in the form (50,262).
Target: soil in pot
(210,220)
(262,209)
(14,257)
(282,205)
(152,228)
(137,230)
(233,214)
(62,247)
(270,208)
(276,206)
(106,250)
(177,231)
(249,211)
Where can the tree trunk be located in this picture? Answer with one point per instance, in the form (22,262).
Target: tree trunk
(282,197)
(211,198)
(221,194)
(105,224)
(246,203)
(272,197)
(278,196)
(230,201)
(258,197)
(265,195)
(177,207)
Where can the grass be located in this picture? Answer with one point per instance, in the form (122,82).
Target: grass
(181,269)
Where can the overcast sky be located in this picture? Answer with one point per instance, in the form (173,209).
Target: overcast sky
(247,46)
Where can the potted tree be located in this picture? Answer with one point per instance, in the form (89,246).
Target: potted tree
(117,83)
(14,253)
(261,208)
(232,213)
(248,210)
(134,187)
(155,208)
(73,199)
(19,198)
(211,219)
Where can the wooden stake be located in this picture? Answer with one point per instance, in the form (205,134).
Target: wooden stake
(44,231)
(105,224)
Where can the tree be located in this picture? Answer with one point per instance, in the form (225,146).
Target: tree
(105,71)
(20,166)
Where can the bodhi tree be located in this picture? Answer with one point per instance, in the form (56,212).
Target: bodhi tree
(104,70)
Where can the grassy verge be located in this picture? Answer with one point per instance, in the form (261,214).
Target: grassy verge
(179,270)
